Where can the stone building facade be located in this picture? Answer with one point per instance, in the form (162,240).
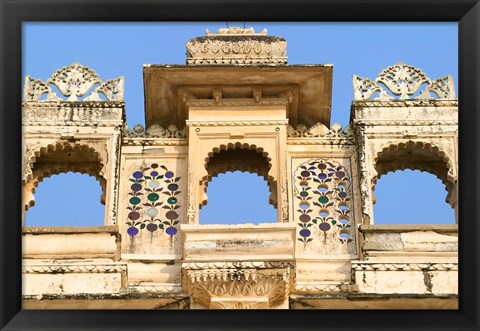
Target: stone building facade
(238,105)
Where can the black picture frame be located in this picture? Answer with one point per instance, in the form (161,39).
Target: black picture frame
(465,12)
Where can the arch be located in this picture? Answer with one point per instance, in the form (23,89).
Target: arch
(422,156)
(35,153)
(238,198)
(57,158)
(62,199)
(238,157)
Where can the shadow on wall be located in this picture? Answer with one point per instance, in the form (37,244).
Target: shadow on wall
(411,197)
(238,198)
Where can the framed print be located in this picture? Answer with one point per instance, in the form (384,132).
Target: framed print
(235,178)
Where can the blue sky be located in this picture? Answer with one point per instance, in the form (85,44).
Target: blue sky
(120,49)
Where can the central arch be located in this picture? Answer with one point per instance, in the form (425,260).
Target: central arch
(238,157)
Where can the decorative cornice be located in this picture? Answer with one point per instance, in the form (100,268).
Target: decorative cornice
(404,123)
(308,287)
(368,266)
(155,288)
(113,123)
(235,123)
(319,141)
(404,103)
(74,104)
(404,81)
(237,265)
(74,268)
(154,142)
(236,102)
(73,113)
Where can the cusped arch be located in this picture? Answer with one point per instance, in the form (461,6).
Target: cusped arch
(258,163)
(36,153)
(32,185)
(422,156)
(54,159)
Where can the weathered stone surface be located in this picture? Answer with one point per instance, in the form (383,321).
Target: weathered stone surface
(383,241)
(237,46)
(237,105)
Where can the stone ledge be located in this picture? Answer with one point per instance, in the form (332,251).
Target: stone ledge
(38,230)
(219,228)
(398,228)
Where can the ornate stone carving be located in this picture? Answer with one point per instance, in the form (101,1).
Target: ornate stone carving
(402,80)
(237,265)
(73,81)
(404,103)
(245,283)
(155,131)
(254,292)
(236,46)
(234,30)
(75,268)
(35,150)
(360,266)
(318,134)
(64,113)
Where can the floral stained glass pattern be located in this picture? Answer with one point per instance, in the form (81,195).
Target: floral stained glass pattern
(323,196)
(153,201)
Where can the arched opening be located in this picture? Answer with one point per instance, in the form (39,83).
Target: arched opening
(411,197)
(419,187)
(58,159)
(239,187)
(67,199)
(237,198)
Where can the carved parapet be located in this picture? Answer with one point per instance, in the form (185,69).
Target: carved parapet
(104,105)
(403,81)
(154,135)
(319,133)
(239,285)
(73,81)
(236,46)
(155,131)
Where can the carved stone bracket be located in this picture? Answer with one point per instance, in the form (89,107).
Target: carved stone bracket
(73,81)
(240,285)
(402,80)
